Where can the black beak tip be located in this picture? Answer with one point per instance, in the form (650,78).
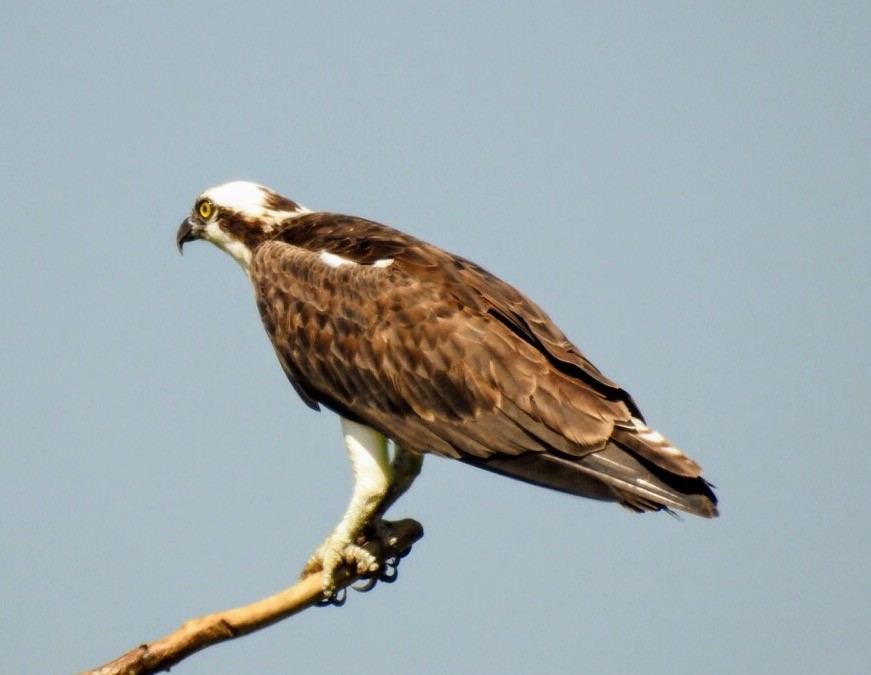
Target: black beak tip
(185,234)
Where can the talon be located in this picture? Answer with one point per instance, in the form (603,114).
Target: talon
(334,599)
(333,554)
(365,586)
(389,574)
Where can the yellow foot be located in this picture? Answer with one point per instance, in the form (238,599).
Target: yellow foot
(336,551)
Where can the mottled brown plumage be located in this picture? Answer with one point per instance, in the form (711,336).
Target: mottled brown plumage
(441,356)
(434,352)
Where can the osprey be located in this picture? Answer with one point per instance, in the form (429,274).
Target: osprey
(407,342)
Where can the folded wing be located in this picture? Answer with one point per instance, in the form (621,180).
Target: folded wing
(443,357)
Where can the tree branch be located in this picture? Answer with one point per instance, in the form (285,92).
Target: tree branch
(205,631)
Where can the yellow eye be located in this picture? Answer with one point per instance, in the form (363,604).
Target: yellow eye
(205,209)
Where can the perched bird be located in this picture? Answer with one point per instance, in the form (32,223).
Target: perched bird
(407,342)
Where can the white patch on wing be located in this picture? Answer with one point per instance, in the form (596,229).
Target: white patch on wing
(334,260)
(663,445)
(653,436)
(641,426)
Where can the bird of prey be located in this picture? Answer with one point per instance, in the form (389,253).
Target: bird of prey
(411,344)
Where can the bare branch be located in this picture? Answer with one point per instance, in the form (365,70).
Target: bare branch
(200,633)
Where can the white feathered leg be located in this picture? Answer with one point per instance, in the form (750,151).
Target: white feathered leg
(373,477)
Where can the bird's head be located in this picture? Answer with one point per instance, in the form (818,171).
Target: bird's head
(237,217)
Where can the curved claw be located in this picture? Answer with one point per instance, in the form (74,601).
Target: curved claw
(389,571)
(366,586)
(336,599)
(388,579)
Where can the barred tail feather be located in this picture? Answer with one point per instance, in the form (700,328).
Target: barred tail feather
(614,473)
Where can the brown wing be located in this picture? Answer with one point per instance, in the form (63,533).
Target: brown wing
(441,356)
(365,242)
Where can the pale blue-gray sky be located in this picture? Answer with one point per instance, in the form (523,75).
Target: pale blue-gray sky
(684,187)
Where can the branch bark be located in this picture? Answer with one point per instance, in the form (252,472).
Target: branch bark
(205,631)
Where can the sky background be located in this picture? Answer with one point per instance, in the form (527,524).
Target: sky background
(684,187)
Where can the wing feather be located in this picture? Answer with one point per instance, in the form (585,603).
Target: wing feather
(443,357)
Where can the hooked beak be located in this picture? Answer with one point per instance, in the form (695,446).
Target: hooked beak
(189,231)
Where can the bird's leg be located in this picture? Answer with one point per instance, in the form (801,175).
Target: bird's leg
(406,466)
(373,477)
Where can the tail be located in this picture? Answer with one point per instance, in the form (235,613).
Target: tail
(638,468)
